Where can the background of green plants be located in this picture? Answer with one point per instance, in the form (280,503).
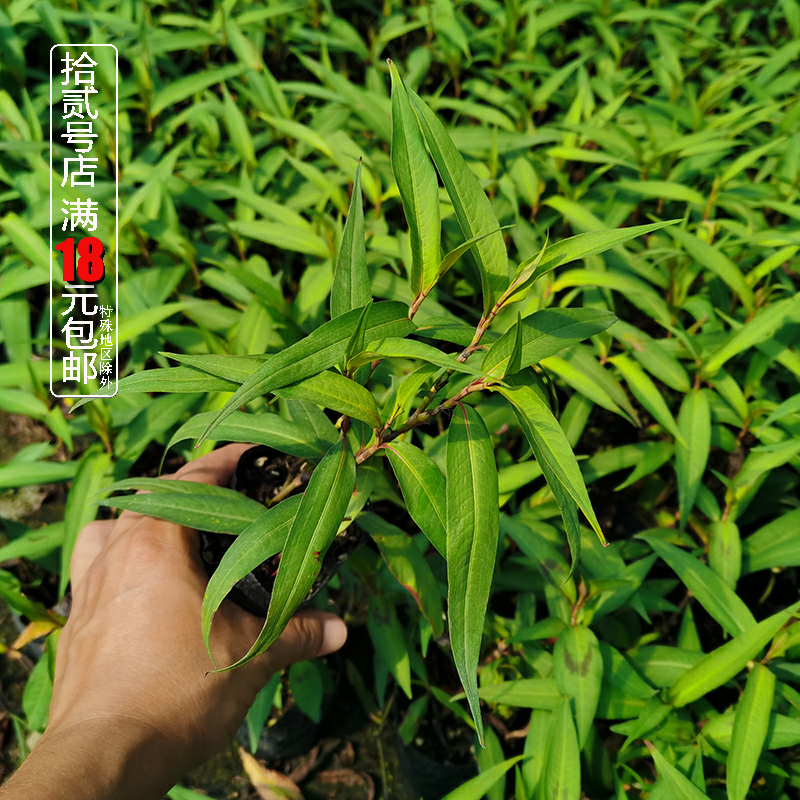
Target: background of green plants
(240,130)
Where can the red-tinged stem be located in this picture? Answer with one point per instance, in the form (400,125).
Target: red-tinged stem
(418,419)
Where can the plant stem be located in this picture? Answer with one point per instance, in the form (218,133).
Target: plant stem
(288,488)
(483,326)
(416,419)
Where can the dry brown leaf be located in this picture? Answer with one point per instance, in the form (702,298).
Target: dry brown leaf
(300,773)
(33,631)
(315,755)
(349,777)
(269,784)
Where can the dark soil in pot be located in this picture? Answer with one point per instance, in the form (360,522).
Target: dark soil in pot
(264,474)
(440,758)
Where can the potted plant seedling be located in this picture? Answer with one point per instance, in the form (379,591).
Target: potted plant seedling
(351,440)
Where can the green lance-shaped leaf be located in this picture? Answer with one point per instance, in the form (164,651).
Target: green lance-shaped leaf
(196,505)
(395,347)
(182,380)
(652,356)
(34,543)
(713,259)
(490,755)
(535,752)
(760,462)
(320,350)
(37,696)
(473,209)
(386,633)
(569,513)
(722,664)
(452,257)
(26,241)
(244,49)
(750,730)
(580,368)
(619,674)
(282,236)
(774,545)
(351,287)
(233,368)
(419,189)
(550,445)
(319,515)
(515,359)
(332,390)
(544,334)
(654,455)
(410,387)
(259,541)
(790,406)
(522,693)
(561,777)
(653,714)
(357,339)
(782,731)
(725,551)
(16,473)
(548,628)
(313,418)
(415,714)
(680,787)
(477,787)
(268,429)
(305,684)
(577,247)
(238,130)
(11,593)
(182,793)
(520,286)
(472,534)
(759,329)
(260,711)
(183,88)
(646,392)
(407,563)
(578,670)
(80,509)
(708,588)
(694,423)
(663,665)
(423,488)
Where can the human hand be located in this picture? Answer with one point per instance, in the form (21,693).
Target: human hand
(131,659)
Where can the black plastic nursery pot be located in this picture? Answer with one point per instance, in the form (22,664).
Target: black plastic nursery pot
(427,766)
(263,474)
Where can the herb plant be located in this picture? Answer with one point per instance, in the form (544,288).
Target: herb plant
(334,368)
(573,228)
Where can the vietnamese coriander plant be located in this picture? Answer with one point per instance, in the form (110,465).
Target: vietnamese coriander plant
(373,447)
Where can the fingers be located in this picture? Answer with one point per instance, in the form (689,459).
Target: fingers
(90,542)
(308,635)
(215,468)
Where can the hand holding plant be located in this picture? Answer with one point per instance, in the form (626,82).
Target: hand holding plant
(134,704)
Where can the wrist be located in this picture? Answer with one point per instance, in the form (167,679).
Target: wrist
(97,759)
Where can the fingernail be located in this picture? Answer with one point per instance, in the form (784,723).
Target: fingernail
(334,634)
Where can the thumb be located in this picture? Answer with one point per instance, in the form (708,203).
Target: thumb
(308,635)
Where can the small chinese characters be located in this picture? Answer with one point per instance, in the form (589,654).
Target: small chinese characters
(86,324)
(79,365)
(79,74)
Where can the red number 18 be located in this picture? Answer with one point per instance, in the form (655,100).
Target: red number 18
(90,259)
